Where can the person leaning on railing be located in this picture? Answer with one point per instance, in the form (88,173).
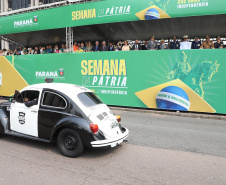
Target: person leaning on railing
(145,46)
(89,47)
(126,46)
(163,45)
(83,47)
(175,44)
(152,44)
(185,44)
(219,44)
(118,46)
(207,44)
(136,45)
(196,44)
(111,47)
(104,47)
(75,46)
(96,47)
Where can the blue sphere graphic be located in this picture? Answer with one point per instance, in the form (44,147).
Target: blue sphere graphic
(152,13)
(172,98)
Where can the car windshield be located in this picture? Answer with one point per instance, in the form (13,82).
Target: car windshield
(89,99)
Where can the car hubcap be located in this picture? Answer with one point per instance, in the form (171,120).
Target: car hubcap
(70,142)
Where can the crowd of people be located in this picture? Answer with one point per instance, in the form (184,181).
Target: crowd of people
(152,44)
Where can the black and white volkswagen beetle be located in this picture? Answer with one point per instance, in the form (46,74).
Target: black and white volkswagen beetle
(71,115)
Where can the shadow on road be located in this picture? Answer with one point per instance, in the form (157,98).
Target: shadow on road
(88,152)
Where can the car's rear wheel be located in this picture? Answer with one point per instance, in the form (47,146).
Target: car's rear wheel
(69,143)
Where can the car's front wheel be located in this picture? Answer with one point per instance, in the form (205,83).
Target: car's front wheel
(69,143)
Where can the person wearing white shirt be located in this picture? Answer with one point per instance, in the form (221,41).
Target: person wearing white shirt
(185,44)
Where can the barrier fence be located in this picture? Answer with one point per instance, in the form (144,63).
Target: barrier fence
(189,80)
(108,11)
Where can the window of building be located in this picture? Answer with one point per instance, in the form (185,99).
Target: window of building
(18,4)
(48,1)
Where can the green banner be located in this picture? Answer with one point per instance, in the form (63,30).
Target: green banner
(189,80)
(108,11)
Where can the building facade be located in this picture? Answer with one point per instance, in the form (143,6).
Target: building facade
(9,5)
(12,5)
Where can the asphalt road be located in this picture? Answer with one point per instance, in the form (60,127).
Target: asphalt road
(161,149)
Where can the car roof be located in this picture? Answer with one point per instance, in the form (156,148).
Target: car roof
(61,87)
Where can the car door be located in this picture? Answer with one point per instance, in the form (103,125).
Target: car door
(24,119)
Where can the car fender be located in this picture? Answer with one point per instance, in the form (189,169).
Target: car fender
(80,125)
(4,122)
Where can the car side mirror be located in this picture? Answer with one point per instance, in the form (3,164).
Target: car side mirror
(16,94)
(17,97)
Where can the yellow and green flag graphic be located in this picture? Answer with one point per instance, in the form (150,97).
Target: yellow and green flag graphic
(11,79)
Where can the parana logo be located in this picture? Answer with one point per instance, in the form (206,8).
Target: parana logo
(46,74)
(26,22)
(50,74)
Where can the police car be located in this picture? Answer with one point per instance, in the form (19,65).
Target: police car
(71,115)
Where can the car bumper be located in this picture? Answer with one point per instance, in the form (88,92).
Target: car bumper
(111,142)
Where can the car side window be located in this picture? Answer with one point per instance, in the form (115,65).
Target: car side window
(51,99)
(89,99)
(29,94)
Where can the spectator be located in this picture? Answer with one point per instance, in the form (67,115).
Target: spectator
(136,45)
(24,51)
(56,49)
(86,44)
(75,46)
(219,43)
(196,44)
(163,45)
(39,49)
(97,47)
(19,51)
(175,44)
(104,47)
(15,52)
(62,48)
(48,49)
(66,50)
(207,44)
(83,47)
(89,47)
(185,44)
(42,50)
(126,46)
(111,47)
(118,47)
(152,44)
(8,52)
(30,51)
(4,52)
(145,46)
(79,50)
